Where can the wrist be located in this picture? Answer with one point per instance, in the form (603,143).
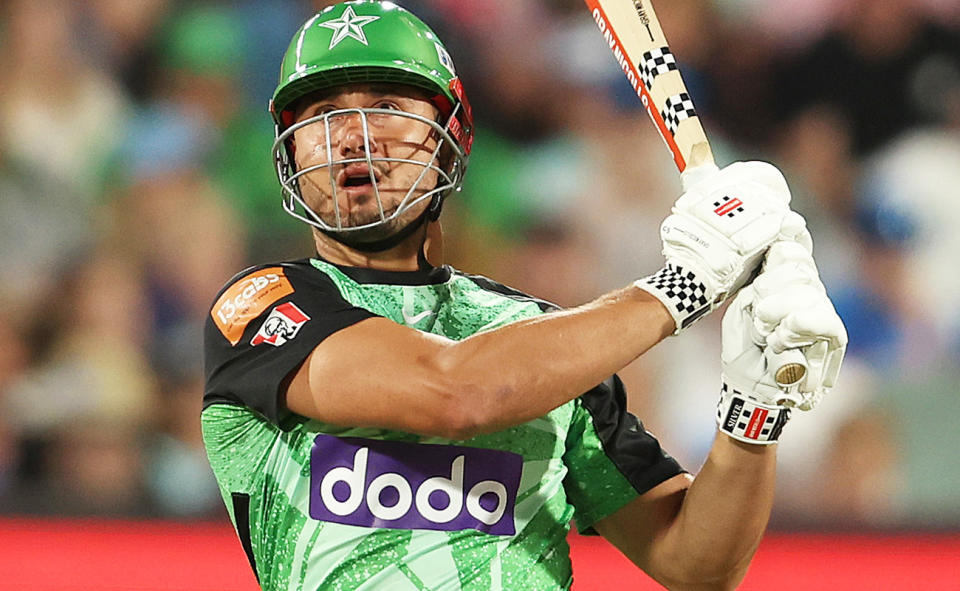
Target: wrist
(660,316)
(745,418)
(655,312)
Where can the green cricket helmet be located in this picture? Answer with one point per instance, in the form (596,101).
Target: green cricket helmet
(368,41)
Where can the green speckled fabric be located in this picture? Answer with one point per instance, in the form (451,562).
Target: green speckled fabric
(566,474)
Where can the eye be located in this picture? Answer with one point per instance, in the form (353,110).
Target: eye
(386,104)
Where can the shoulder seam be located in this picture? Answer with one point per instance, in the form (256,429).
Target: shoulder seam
(252,269)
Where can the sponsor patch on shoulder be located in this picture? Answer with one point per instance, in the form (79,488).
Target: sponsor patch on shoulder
(248,298)
(281,325)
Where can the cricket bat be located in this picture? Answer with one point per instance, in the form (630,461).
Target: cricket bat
(631,29)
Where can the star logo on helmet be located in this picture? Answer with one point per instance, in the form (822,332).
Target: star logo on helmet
(349,25)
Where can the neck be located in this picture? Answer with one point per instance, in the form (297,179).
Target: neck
(402,257)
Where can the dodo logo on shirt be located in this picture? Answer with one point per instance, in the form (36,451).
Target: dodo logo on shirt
(398,485)
(248,298)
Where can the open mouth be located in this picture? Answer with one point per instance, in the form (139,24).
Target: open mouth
(357,181)
(357,176)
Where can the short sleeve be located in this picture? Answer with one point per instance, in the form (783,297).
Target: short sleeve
(262,326)
(611,459)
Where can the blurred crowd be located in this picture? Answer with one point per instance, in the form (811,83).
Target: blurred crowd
(135,179)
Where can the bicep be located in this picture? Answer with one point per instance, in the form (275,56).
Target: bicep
(638,528)
(375,373)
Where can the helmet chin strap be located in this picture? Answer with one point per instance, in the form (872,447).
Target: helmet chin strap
(429,214)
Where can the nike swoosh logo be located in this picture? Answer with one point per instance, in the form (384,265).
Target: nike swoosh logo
(416,318)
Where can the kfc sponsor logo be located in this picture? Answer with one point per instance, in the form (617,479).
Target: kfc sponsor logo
(248,298)
(281,325)
(398,485)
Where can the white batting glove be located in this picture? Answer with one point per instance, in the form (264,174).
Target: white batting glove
(786,307)
(716,236)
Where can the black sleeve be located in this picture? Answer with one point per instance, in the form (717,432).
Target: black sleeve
(262,326)
(610,457)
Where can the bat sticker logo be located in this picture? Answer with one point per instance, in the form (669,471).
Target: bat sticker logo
(642,13)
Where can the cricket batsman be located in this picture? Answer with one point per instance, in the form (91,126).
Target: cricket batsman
(378,420)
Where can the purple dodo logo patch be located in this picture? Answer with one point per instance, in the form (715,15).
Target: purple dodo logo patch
(397,485)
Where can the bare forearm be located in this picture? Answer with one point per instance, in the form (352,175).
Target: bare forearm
(525,369)
(723,515)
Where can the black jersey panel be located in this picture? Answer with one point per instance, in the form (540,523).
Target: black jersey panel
(605,439)
(247,361)
(633,449)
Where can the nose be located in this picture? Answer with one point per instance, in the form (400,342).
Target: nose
(352,136)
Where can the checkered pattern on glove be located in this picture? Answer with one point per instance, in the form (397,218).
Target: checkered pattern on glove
(680,290)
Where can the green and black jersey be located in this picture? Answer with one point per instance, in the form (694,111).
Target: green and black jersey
(318,506)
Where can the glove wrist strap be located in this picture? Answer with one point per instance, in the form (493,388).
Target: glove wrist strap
(746,419)
(683,294)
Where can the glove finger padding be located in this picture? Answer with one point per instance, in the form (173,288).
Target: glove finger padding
(771,311)
(792,254)
(794,229)
(743,360)
(786,307)
(792,311)
(789,281)
(747,212)
(747,410)
(716,236)
(761,173)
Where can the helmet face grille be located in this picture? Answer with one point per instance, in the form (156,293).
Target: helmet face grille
(450,176)
(366,41)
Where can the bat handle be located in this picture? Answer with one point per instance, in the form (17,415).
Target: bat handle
(700,154)
(790,366)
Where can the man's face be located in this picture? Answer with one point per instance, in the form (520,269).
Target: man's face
(390,136)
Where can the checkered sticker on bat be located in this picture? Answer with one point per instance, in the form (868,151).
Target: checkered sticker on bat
(677,108)
(656,62)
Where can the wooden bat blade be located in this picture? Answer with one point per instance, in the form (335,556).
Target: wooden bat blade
(633,33)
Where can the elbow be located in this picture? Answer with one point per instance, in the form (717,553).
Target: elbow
(462,405)
(725,583)
(458,428)
(462,408)
(704,577)
(462,412)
